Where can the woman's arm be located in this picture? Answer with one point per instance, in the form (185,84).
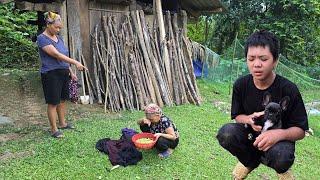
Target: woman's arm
(169,134)
(73,75)
(52,51)
(144,121)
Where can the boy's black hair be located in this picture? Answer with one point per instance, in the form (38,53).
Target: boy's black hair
(264,38)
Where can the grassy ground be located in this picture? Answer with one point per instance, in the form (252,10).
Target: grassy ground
(198,156)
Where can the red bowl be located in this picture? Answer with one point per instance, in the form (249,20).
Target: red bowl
(144,135)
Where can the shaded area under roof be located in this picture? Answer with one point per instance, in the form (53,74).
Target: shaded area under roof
(194,8)
(201,7)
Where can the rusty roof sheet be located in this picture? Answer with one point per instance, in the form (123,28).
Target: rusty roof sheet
(202,7)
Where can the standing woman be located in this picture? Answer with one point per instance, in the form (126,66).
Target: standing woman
(55,72)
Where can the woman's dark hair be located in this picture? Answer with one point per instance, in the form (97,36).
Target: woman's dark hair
(264,38)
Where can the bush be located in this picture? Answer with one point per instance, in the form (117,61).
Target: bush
(16,48)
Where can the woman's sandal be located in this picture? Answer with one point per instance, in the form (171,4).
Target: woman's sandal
(68,126)
(165,154)
(57,134)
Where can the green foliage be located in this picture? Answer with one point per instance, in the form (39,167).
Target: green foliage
(296,23)
(16,48)
(201,31)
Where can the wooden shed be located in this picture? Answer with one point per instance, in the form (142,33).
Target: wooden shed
(137,51)
(80,16)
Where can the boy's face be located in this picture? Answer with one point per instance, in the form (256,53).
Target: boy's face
(154,118)
(260,62)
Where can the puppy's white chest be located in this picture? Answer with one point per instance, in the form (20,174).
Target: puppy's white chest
(267,125)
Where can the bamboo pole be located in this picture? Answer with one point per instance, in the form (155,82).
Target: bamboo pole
(184,23)
(95,61)
(180,59)
(130,70)
(136,80)
(87,78)
(174,63)
(165,94)
(165,55)
(102,63)
(146,90)
(106,42)
(192,86)
(136,22)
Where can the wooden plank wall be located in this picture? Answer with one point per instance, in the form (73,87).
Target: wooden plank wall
(64,31)
(91,12)
(96,11)
(84,23)
(73,14)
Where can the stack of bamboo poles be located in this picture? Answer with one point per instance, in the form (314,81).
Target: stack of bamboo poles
(129,67)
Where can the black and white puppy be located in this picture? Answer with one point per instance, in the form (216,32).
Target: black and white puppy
(272,114)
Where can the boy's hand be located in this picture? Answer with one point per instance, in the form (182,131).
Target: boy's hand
(253,116)
(256,128)
(267,139)
(257,114)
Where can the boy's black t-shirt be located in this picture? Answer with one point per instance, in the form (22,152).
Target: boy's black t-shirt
(247,99)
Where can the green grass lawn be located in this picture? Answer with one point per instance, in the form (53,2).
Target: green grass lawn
(198,156)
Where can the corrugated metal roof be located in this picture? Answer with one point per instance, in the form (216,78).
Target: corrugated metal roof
(201,7)
(194,8)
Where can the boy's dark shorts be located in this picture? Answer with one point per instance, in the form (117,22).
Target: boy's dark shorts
(55,84)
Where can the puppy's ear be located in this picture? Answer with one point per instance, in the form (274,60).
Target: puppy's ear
(266,99)
(284,103)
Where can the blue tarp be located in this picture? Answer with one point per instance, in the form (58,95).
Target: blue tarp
(200,68)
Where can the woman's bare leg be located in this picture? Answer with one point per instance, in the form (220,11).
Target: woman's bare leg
(61,110)
(52,116)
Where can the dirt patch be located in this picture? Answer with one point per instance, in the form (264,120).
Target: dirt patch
(23,102)
(9,155)
(315,106)
(21,99)
(264,177)
(8,137)
(222,106)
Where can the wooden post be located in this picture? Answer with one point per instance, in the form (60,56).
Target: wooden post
(162,83)
(165,55)
(136,21)
(184,23)
(64,31)
(73,8)
(72,25)
(85,30)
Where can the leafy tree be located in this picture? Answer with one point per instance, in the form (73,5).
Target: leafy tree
(200,31)
(295,22)
(16,48)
